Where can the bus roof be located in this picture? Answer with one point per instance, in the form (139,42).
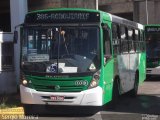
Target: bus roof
(63,9)
(109,17)
(121,20)
(71,12)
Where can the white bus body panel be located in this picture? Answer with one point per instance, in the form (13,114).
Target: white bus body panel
(91,97)
(153,71)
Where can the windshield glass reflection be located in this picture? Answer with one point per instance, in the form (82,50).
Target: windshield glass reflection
(61,49)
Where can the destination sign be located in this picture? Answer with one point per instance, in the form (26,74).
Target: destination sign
(63,17)
(152,29)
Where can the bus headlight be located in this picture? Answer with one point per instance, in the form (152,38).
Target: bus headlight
(95,80)
(24,82)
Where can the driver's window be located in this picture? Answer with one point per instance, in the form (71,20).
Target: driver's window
(107,43)
(31,39)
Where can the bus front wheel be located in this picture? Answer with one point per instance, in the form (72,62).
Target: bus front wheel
(115,93)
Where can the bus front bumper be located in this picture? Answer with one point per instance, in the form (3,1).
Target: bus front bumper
(90,97)
(153,71)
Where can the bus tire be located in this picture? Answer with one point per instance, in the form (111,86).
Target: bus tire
(134,91)
(115,93)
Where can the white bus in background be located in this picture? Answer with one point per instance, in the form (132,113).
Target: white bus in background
(152,33)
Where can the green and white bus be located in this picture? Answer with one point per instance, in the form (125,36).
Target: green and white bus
(79,57)
(152,33)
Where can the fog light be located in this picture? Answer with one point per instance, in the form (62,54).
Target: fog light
(93,84)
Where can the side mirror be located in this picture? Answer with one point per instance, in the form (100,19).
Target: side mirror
(106,58)
(15,37)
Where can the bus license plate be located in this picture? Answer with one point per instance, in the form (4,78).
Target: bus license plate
(57,98)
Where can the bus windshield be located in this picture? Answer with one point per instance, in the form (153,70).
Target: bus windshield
(153,45)
(61,49)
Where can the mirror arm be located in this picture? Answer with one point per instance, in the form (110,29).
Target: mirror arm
(18,26)
(15,37)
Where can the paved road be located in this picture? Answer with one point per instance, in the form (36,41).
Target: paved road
(145,107)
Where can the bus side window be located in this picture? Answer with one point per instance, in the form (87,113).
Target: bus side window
(130,39)
(137,40)
(124,39)
(134,41)
(107,43)
(116,39)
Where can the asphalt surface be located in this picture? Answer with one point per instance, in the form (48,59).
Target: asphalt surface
(145,107)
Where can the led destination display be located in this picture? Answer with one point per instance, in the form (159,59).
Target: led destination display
(63,17)
(152,29)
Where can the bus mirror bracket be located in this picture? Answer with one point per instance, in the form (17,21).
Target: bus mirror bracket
(15,36)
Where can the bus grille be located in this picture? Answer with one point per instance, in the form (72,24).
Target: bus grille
(50,88)
(57,85)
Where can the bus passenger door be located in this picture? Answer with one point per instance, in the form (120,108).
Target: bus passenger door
(123,61)
(133,58)
(108,63)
